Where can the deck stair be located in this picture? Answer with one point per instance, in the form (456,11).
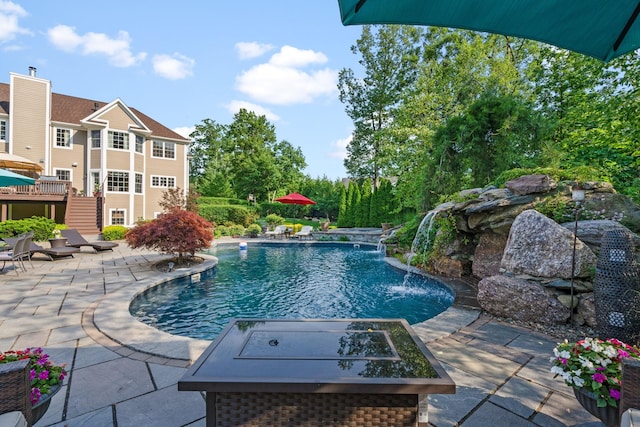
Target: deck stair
(83,214)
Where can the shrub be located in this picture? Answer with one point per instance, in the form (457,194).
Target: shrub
(221,201)
(237,230)
(42,227)
(176,232)
(114,232)
(273,220)
(220,214)
(254,229)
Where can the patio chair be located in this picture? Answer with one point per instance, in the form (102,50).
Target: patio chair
(305,232)
(630,392)
(75,239)
(14,255)
(51,253)
(278,231)
(15,392)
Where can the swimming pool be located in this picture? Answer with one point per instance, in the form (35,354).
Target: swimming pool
(290,281)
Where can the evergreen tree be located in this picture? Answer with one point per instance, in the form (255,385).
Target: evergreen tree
(365,202)
(342,209)
(355,203)
(349,218)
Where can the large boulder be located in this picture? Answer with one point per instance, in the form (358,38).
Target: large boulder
(530,184)
(591,232)
(538,246)
(520,299)
(488,254)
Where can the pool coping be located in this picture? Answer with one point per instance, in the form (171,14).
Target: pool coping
(110,318)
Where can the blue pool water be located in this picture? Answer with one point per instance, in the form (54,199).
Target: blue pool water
(290,281)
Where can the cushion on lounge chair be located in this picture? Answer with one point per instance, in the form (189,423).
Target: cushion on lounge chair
(305,231)
(75,239)
(60,251)
(278,231)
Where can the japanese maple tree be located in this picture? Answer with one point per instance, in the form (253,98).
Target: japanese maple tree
(177,231)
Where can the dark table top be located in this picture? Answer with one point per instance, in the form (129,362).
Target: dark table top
(318,356)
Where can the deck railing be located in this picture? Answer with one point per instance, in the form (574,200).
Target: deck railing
(40,188)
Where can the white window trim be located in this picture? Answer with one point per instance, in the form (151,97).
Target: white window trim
(163,186)
(135,144)
(135,174)
(55,170)
(63,147)
(106,181)
(175,150)
(6,130)
(119,149)
(112,210)
(91,139)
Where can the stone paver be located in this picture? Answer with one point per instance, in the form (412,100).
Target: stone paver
(123,373)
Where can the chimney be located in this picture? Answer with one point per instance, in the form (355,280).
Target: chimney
(32,71)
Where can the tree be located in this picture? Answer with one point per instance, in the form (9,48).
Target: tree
(389,56)
(175,232)
(364,205)
(207,150)
(342,211)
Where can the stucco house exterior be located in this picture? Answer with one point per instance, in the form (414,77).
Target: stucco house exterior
(110,153)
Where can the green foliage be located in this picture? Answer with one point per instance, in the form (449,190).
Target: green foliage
(237,230)
(42,227)
(220,214)
(176,232)
(364,207)
(342,211)
(558,208)
(254,230)
(343,239)
(579,173)
(273,220)
(114,232)
(221,201)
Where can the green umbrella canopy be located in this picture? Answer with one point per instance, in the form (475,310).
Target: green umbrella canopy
(598,28)
(8,178)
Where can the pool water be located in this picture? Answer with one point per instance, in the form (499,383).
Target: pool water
(290,281)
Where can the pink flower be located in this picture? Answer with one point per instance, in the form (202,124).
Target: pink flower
(615,394)
(43,375)
(598,377)
(622,354)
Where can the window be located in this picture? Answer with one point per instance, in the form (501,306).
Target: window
(117,216)
(118,140)
(138,183)
(63,138)
(164,149)
(95,138)
(3,130)
(139,144)
(95,182)
(118,181)
(63,174)
(163,181)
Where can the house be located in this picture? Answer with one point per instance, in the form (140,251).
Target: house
(99,163)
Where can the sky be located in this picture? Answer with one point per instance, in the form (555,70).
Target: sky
(183,62)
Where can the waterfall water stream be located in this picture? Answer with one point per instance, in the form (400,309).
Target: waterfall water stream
(422,239)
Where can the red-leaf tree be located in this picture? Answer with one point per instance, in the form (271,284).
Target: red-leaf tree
(175,232)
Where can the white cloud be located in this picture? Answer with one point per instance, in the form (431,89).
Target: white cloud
(340,148)
(284,81)
(248,50)
(117,50)
(234,106)
(173,67)
(184,131)
(10,13)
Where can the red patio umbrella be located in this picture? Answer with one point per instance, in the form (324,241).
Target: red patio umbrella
(295,199)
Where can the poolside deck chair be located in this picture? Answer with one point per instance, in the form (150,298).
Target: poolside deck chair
(14,255)
(51,253)
(75,239)
(277,232)
(305,232)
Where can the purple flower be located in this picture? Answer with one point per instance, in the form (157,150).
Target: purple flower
(35,395)
(598,377)
(32,375)
(615,394)
(43,375)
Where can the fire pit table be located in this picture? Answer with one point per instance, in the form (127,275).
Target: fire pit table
(317,373)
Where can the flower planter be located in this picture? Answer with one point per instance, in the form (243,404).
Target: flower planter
(607,414)
(39,409)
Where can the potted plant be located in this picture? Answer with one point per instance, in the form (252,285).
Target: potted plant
(592,367)
(46,377)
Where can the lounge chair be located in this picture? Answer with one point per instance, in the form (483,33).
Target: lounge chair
(51,253)
(278,231)
(75,239)
(305,231)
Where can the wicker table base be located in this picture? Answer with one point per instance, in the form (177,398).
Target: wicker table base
(312,410)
